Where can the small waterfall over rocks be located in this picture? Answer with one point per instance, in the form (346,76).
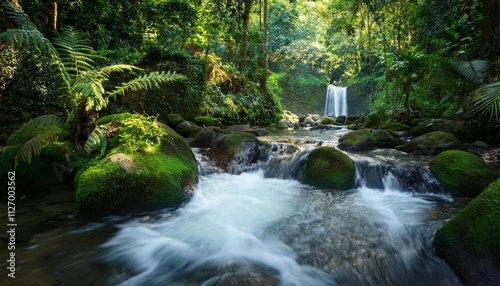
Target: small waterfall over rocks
(336,100)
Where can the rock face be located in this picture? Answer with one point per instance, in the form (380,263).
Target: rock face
(236,151)
(357,140)
(462,173)
(328,168)
(431,143)
(470,242)
(145,169)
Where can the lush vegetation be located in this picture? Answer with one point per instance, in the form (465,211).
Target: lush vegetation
(241,61)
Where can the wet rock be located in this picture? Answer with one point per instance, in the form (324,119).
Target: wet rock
(431,143)
(385,139)
(341,119)
(328,168)
(205,137)
(246,128)
(207,120)
(469,242)
(396,126)
(236,151)
(462,173)
(431,125)
(174,120)
(187,129)
(357,140)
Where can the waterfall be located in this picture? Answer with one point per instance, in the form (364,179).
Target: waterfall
(336,100)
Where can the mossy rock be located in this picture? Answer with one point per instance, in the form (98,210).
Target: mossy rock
(113,118)
(374,120)
(328,168)
(462,173)
(188,129)
(431,143)
(246,128)
(431,125)
(470,241)
(357,140)
(148,167)
(385,139)
(233,152)
(328,120)
(207,120)
(341,119)
(174,120)
(396,126)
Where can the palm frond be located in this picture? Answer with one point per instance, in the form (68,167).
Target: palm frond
(97,140)
(46,120)
(74,51)
(485,101)
(26,33)
(33,147)
(474,71)
(148,81)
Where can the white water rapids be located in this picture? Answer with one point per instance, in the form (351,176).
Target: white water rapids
(250,230)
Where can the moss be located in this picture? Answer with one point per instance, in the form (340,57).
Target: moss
(207,120)
(174,120)
(476,226)
(328,120)
(431,125)
(357,140)
(462,173)
(328,168)
(396,126)
(146,168)
(234,141)
(431,143)
(384,138)
(113,118)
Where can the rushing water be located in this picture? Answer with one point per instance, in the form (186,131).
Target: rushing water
(263,227)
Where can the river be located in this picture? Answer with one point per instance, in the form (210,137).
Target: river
(263,227)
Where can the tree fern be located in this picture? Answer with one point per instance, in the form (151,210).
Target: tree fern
(148,81)
(46,120)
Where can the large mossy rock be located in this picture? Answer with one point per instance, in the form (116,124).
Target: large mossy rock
(328,168)
(430,125)
(431,143)
(385,139)
(462,173)
(470,241)
(236,151)
(396,126)
(148,167)
(357,140)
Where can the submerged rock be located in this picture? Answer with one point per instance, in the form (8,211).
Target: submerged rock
(462,173)
(431,143)
(470,241)
(328,168)
(357,140)
(146,168)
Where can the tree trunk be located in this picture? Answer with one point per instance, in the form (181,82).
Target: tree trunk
(244,42)
(265,60)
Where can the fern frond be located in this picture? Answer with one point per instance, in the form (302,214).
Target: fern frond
(74,51)
(485,101)
(97,140)
(33,147)
(46,120)
(105,72)
(148,81)
(94,95)
(474,71)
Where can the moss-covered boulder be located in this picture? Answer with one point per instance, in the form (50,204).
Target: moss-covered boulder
(374,119)
(462,173)
(328,168)
(206,137)
(147,167)
(396,126)
(470,241)
(257,131)
(188,129)
(431,143)
(235,152)
(328,120)
(430,125)
(357,140)
(207,121)
(385,139)
(173,120)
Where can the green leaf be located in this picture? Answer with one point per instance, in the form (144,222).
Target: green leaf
(485,101)
(33,147)
(474,71)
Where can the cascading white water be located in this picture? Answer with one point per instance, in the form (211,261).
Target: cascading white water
(336,100)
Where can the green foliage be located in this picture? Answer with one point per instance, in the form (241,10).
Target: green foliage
(485,101)
(463,173)
(138,133)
